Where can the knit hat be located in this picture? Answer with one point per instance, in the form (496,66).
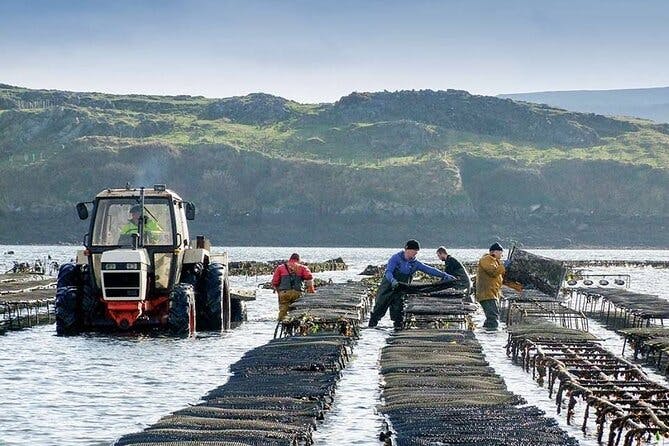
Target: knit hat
(496,247)
(412,244)
(295,256)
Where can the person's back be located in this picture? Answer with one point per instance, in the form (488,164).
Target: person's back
(291,276)
(288,281)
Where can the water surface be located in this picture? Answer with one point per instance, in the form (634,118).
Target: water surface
(91,389)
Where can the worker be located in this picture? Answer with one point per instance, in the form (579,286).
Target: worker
(288,281)
(453,267)
(489,277)
(151,228)
(400,268)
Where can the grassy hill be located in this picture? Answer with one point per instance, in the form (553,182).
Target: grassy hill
(648,103)
(371,168)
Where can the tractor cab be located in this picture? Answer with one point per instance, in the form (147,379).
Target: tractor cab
(147,228)
(117,219)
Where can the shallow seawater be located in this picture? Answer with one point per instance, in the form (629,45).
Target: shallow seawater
(91,389)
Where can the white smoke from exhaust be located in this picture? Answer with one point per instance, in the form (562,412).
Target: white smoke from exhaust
(152,170)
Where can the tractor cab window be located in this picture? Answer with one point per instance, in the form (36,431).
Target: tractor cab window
(116,220)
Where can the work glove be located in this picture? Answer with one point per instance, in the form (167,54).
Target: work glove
(447,278)
(507,263)
(394,284)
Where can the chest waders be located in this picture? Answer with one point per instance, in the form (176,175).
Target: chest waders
(289,291)
(386,298)
(291,281)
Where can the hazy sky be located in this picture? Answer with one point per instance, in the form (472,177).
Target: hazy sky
(318,51)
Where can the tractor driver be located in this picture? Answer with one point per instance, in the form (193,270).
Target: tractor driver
(151,228)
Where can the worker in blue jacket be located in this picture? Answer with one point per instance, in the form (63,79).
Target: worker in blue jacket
(401,268)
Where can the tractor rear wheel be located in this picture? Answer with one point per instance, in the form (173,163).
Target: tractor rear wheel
(67,321)
(213,309)
(181,316)
(192,273)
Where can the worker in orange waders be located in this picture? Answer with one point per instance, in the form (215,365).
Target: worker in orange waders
(288,281)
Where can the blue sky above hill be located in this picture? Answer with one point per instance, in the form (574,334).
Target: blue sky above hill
(317,51)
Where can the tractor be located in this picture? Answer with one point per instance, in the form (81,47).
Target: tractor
(139,269)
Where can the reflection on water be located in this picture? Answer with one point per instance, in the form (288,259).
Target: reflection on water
(91,389)
(353,416)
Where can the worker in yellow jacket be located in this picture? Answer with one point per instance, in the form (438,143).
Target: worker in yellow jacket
(489,277)
(151,229)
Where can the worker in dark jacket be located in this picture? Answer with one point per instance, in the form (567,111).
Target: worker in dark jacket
(288,280)
(400,268)
(455,269)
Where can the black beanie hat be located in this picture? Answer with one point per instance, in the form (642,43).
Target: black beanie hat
(412,244)
(496,247)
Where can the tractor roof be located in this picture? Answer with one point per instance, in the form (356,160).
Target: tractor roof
(135,192)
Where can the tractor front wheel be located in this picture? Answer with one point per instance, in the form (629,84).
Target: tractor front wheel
(67,322)
(68,275)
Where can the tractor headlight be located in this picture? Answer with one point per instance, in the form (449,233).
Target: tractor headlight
(117,266)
